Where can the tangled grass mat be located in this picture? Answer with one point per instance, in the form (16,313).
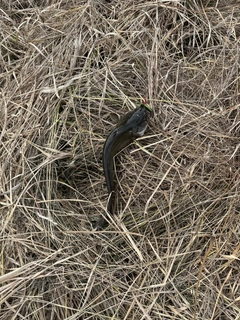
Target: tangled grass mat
(172,252)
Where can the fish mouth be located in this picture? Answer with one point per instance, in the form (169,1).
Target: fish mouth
(141,132)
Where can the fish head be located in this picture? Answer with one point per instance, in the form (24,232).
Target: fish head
(139,120)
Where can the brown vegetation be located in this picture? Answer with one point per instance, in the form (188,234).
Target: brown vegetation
(173,250)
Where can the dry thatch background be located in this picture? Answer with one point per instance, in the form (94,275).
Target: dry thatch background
(173,251)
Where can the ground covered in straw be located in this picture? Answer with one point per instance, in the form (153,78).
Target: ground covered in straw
(173,250)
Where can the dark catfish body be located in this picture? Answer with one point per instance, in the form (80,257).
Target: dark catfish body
(132,126)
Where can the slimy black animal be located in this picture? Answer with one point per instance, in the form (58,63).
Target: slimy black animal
(130,127)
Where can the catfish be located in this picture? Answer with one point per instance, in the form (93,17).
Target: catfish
(131,126)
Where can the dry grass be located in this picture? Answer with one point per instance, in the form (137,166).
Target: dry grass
(173,251)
